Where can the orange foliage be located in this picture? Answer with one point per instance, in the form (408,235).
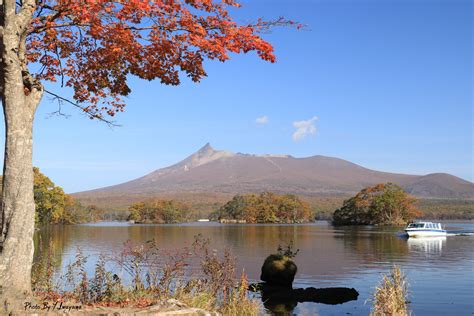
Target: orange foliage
(266,207)
(93,46)
(384,203)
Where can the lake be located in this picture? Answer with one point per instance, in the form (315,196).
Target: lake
(439,270)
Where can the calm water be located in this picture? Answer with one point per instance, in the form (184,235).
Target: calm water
(440,270)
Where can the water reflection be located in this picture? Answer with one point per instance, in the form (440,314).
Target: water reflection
(427,245)
(282,301)
(50,243)
(328,257)
(374,244)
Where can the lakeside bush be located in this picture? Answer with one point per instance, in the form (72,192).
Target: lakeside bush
(50,201)
(197,276)
(159,211)
(382,204)
(53,206)
(266,207)
(390,296)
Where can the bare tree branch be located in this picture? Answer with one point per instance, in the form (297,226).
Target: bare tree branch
(59,111)
(99,117)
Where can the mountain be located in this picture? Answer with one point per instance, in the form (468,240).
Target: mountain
(210,171)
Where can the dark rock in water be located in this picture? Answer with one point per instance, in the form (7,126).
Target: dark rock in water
(282,300)
(279,270)
(278,295)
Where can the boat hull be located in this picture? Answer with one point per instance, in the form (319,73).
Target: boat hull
(426,233)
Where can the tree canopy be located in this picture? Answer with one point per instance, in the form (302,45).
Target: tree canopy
(53,206)
(93,46)
(50,200)
(266,207)
(382,204)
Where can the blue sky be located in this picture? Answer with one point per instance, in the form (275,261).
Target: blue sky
(385,84)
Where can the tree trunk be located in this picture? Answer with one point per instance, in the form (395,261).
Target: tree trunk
(18,206)
(19,100)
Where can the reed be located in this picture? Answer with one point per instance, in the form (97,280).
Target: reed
(390,296)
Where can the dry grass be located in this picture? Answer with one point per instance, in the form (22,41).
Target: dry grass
(154,276)
(236,302)
(390,296)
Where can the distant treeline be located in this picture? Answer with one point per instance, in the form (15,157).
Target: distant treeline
(380,204)
(204,204)
(447,209)
(251,208)
(53,206)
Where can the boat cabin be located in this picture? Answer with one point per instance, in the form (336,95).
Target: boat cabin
(425,225)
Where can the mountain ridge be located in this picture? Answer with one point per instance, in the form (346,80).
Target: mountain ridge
(217,171)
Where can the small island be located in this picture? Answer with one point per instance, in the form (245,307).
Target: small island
(382,204)
(266,207)
(159,211)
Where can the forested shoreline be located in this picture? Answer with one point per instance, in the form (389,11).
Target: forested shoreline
(55,207)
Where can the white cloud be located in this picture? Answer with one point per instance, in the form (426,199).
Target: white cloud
(262,120)
(304,128)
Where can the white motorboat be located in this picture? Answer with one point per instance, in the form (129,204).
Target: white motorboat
(425,229)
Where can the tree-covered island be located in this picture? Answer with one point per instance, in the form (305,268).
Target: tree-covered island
(158,211)
(266,207)
(382,204)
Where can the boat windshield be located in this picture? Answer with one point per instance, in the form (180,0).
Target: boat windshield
(416,225)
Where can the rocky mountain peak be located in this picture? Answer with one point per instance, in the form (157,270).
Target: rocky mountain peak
(205,150)
(205,155)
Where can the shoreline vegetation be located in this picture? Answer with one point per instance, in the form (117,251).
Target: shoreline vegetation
(391,295)
(55,207)
(142,275)
(321,208)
